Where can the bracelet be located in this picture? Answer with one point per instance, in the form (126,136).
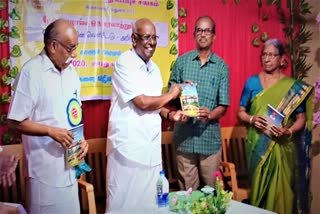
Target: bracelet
(168,115)
(251,119)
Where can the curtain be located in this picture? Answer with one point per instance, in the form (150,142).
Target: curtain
(233,44)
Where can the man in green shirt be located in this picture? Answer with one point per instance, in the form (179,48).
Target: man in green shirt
(198,139)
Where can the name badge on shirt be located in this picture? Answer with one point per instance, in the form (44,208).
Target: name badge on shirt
(74,112)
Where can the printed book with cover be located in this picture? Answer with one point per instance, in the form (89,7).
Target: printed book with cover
(72,152)
(189,100)
(274,118)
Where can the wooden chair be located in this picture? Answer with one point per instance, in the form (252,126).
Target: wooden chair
(96,158)
(234,162)
(169,159)
(17,192)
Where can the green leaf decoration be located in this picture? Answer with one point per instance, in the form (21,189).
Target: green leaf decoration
(182,12)
(224,1)
(3,119)
(6,80)
(15,14)
(264,36)
(14,33)
(170,4)
(254,28)
(16,51)
(256,42)
(172,64)
(3,24)
(173,37)
(7,138)
(173,50)
(5,63)
(174,22)
(3,5)
(237,1)
(5,98)
(3,38)
(13,72)
(183,27)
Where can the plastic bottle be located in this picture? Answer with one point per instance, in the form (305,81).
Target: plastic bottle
(163,191)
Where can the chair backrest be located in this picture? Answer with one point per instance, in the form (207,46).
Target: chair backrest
(169,158)
(15,193)
(96,158)
(233,148)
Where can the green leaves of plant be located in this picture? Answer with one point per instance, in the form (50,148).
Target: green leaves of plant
(15,14)
(173,50)
(254,28)
(3,38)
(16,51)
(5,63)
(173,37)
(183,27)
(256,42)
(3,24)
(174,22)
(13,72)
(264,36)
(170,4)
(6,80)
(4,98)
(3,5)
(14,33)
(182,12)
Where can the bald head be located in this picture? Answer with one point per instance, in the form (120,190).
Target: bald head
(56,29)
(140,24)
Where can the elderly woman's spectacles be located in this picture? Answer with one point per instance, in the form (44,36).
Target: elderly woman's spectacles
(66,47)
(264,55)
(147,37)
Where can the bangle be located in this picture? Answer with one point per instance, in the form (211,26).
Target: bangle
(168,115)
(251,119)
(1,149)
(289,129)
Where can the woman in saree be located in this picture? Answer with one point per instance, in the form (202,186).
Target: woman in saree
(278,162)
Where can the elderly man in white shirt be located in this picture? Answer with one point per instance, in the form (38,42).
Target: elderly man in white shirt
(134,133)
(45,91)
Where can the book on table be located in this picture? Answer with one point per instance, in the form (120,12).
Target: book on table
(71,154)
(274,118)
(189,100)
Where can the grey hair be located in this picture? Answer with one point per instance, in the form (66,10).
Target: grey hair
(277,44)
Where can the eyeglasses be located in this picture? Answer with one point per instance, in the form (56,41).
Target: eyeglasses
(147,37)
(67,48)
(206,31)
(264,55)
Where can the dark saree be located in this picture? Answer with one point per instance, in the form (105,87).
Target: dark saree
(280,169)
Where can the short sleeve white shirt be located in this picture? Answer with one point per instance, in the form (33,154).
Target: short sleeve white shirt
(134,133)
(42,94)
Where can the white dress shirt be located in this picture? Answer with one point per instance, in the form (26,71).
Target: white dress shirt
(41,94)
(134,133)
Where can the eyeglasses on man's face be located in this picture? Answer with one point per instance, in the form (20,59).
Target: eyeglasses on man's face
(147,37)
(206,31)
(66,47)
(264,55)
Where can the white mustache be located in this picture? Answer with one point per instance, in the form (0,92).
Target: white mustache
(69,60)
